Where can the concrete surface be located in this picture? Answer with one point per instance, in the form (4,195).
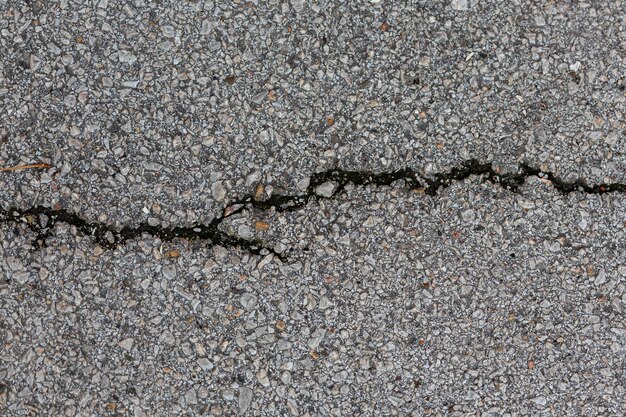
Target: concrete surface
(313,208)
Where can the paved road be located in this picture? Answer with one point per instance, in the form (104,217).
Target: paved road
(313,208)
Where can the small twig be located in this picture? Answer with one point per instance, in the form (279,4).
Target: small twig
(26,167)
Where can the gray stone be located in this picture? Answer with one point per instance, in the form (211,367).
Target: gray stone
(191,397)
(167,337)
(248,300)
(245,399)
(218,191)
(127,343)
(326,189)
(205,364)
(169,272)
(459,4)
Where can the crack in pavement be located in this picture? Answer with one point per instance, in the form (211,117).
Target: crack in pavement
(41,220)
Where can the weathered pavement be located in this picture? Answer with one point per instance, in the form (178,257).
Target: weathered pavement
(313,208)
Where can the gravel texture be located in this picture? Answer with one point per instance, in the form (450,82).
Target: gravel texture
(173,106)
(388,299)
(394,303)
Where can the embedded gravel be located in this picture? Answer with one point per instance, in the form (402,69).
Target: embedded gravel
(389,301)
(173,107)
(393,303)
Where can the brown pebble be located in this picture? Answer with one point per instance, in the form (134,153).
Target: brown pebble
(174,253)
(260,190)
(230,79)
(231,209)
(261,225)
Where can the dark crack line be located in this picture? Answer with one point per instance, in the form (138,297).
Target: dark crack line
(41,220)
(412,180)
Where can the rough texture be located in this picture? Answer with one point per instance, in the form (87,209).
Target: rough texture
(395,302)
(137,105)
(394,208)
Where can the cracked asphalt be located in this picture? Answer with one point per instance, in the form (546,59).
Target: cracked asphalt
(313,208)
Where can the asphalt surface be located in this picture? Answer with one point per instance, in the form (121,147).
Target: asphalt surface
(313,208)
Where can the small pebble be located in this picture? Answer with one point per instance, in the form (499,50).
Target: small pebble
(245,398)
(326,189)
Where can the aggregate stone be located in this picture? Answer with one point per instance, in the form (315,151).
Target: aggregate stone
(425,313)
(134,104)
(377,300)
(245,398)
(327,189)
